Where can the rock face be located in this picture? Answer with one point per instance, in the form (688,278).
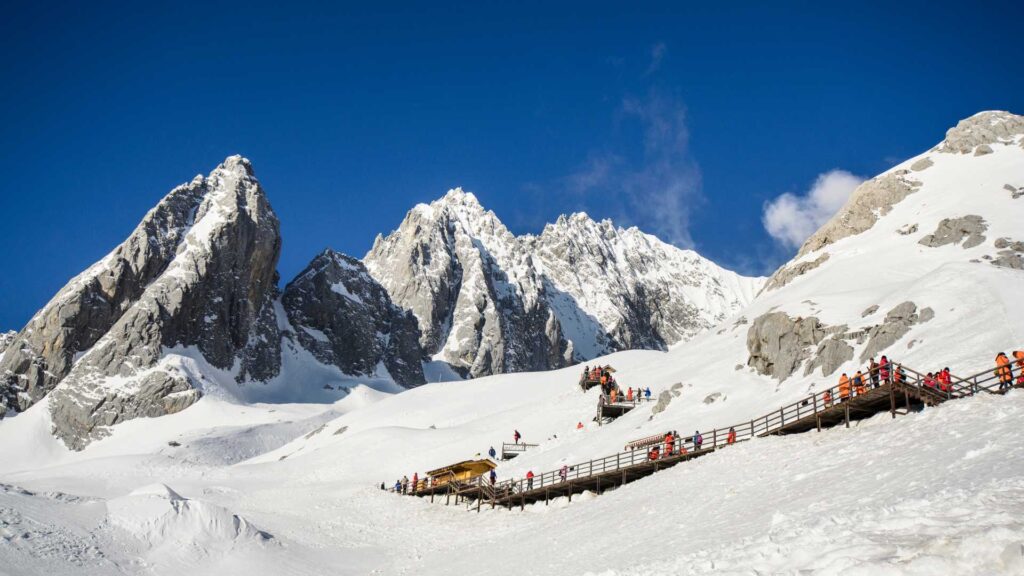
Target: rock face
(870,201)
(5,340)
(787,273)
(896,325)
(346,319)
(209,287)
(778,344)
(984,129)
(489,302)
(955,230)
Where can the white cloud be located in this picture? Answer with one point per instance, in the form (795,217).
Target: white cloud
(791,219)
(657,55)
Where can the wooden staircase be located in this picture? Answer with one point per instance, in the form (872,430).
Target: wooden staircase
(820,410)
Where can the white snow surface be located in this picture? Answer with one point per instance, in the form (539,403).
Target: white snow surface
(277,488)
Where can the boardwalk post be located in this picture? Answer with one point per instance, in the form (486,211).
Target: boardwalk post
(546,496)
(714,438)
(570,490)
(892,401)
(847,412)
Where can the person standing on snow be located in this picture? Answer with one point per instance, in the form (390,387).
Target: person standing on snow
(492,453)
(516,436)
(415,482)
(405,484)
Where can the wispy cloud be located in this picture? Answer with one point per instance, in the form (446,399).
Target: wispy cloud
(656,188)
(657,55)
(790,219)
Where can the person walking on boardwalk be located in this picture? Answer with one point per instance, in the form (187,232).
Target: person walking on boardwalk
(614,394)
(858,383)
(732,436)
(669,441)
(873,369)
(1004,371)
(529,480)
(827,398)
(697,440)
(516,436)
(946,380)
(398,486)
(647,393)
(629,394)
(884,370)
(405,484)
(563,472)
(415,482)
(899,376)
(654,454)
(494,476)
(844,387)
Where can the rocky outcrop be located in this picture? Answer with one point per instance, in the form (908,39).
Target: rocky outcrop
(922,164)
(214,296)
(954,230)
(5,340)
(985,130)
(870,201)
(1010,255)
(831,354)
(777,344)
(786,274)
(342,316)
(1014,191)
(490,302)
(897,324)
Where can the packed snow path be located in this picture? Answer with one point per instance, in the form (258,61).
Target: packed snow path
(899,394)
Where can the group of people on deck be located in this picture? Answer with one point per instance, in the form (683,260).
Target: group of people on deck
(879,372)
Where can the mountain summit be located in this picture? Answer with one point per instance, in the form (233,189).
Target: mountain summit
(490,302)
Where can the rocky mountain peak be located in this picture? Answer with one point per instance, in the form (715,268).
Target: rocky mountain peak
(981,131)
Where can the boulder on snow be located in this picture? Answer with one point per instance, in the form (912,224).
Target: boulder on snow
(777,344)
(907,229)
(922,164)
(830,355)
(983,150)
(1011,254)
(954,230)
(896,325)
(869,311)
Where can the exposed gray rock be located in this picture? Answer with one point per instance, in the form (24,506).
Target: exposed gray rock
(665,398)
(926,315)
(777,344)
(869,311)
(1012,254)
(982,129)
(1014,191)
(712,398)
(983,150)
(922,164)
(5,340)
(88,306)
(954,230)
(896,325)
(214,295)
(871,200)
(830,355)
(786,274)
(907,229)
(346,319)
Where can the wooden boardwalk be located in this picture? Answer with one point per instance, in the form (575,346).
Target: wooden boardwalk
(820,410)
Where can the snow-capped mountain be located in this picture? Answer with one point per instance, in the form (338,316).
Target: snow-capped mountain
(190,301)
(490,302)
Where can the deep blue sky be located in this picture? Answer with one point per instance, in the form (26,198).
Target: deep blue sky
(682,118)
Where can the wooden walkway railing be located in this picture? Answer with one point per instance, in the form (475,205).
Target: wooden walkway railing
(821,409)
